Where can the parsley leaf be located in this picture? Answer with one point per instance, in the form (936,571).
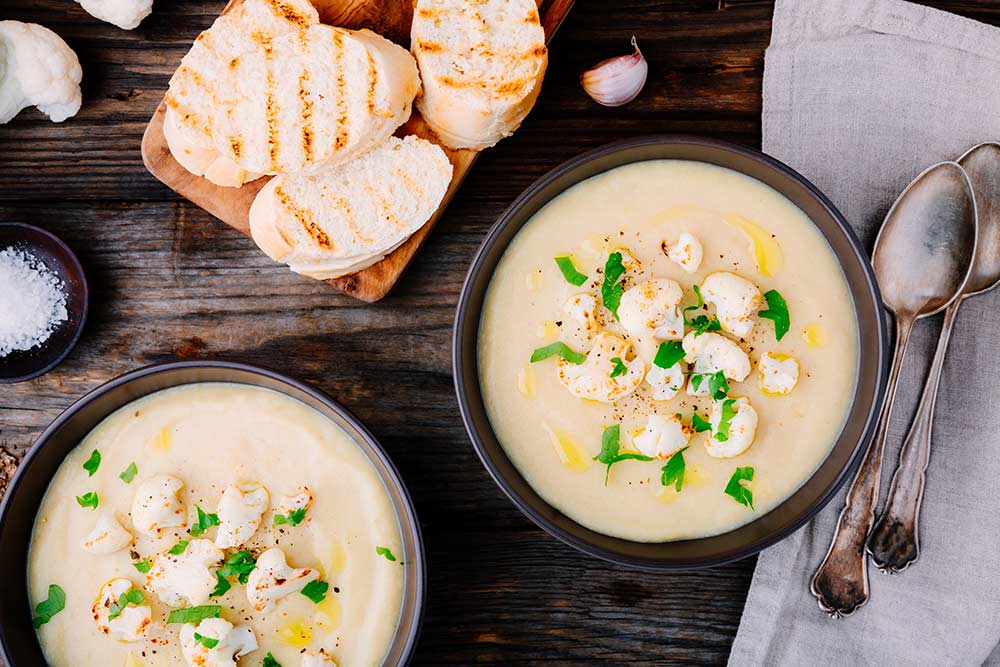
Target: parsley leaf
(194,614)
(722,433)
(239,565)
(93,463)
(384,551)
(269,661)
(737,490)
(561,349)
(718,385)
(129,473)
(294,518)
(178,548)
(673,472)
(777,311)
(143,565)
(205,521)
(572,276)
(698,424)
(50,606)
(669,354)
(610,450)
(88,499)
(315,590)
(133,596)
(620,367)
(222,585)
(612,289)
(207,642)
(701,323)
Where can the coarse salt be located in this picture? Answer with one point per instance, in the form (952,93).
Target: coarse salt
(32,301)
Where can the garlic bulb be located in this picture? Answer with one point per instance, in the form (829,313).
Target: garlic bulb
(616,81)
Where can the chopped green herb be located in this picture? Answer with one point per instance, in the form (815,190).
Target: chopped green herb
(269,661)
(178,548)
(294,518)
(50,606)
(207,642)
(384,551)
(133,596)
(561,349)
(777,311)
(143,565)
(612,288)
(129,473)
(88,499)
(620,367)
(703,322)
(572,276)
(194,614)
(728,412)
(669,354)
(222,585)
(718,386)
(239,565)
(738,490)
(698,424)
(205,521)
(610,450)
(93,463)
(315,590)
(673,472)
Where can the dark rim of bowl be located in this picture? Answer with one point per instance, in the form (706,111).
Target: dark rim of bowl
(467,394)
(395,479)
(85,296)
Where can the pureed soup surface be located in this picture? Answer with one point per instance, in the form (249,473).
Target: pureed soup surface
(552,429)
(210,436)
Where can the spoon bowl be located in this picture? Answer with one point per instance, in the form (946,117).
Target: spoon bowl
(982,165)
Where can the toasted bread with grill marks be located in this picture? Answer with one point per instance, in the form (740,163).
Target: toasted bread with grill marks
(351,216)
(482,65)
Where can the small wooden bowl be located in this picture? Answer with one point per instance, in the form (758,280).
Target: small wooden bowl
(19,366)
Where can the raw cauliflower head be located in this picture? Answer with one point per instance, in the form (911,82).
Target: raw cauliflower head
(126,14)
(663,436)
(736,301)
(107,537)
(130,623)
(157,506)
(274,578)
(686,252)
(738,433)
(37,69)
(592,379)
(186,578)
(240,509)
(233,642)
(711,353)
(779,373)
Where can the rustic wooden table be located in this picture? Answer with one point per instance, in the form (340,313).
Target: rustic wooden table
(168,281)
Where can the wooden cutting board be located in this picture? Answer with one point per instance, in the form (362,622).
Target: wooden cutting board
(390,18)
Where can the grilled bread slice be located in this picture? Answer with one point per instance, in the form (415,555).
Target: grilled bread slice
(350,217)
(482,65)
(313,99)
(194,87)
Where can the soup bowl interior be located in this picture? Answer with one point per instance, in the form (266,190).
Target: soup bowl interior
(821,485)
(18,643)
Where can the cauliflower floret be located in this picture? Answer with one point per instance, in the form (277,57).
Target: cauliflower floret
(233,642)
(651,310)
(185,578)
(592,379)
(666,382)
(318,659)
(125,14)
(779,373)
(273,579)
(240,509)
(107,537)
(736,301)
(736,436)
(711,353)
(131,622)
(686,252)
(157,506)
(37,69)
(663,436)
(300,501)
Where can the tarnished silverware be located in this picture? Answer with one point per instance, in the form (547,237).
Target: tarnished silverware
(895,541)
(922,259)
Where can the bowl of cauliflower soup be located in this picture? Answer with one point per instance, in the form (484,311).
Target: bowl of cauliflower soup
(210,514)
(670,351)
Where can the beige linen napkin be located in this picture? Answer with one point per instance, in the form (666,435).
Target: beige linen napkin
(860,96)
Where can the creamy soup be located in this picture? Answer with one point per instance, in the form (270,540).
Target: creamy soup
(281,528)
(616,389)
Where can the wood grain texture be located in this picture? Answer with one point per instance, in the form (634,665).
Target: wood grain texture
(170,282)
(391,18)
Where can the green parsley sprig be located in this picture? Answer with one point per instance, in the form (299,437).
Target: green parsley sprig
(700,323)
(612,287)
(777,312)
(673,471)
(611,450)
(738,487)
(50,606)
(572,276)
(558,349)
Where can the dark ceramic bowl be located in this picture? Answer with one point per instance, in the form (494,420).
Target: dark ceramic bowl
(57,257)
(818,489)
(18,643)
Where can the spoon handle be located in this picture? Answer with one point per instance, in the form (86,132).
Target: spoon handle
(841,581)
(895,541)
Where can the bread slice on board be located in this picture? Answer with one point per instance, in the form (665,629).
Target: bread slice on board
(312,100)
(482,65)
(351,216)
(194,87)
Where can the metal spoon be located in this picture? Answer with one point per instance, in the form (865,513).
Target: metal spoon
(922,259)
(895,541)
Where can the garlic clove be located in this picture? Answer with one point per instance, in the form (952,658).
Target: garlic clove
(616,81)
